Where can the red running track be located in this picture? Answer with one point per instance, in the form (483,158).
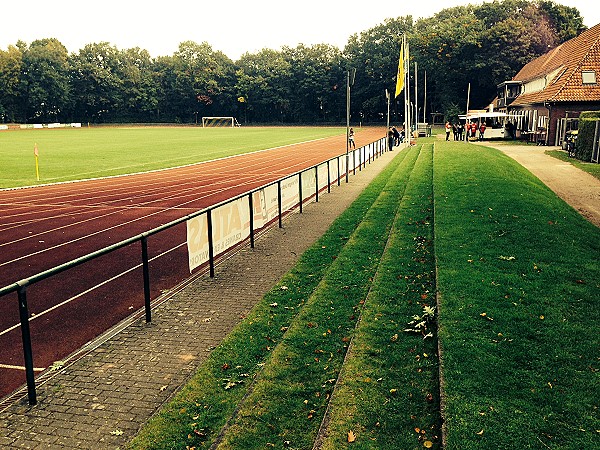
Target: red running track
(43,227)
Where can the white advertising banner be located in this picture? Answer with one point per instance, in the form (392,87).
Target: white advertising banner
(231,225)
(265,206)
(197,241)
(289,193)
(322,172)
(308,184)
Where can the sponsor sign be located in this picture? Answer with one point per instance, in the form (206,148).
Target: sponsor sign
(231,225)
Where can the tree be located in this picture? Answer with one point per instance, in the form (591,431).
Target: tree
(96,82)
(11,62)
(315,74)
(139,91)
(375,53)
(45,75)
(262,83)
(200,80)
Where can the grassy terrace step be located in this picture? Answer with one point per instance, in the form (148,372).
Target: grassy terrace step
(388,393)
(519,280)
(290,395)
(200,410)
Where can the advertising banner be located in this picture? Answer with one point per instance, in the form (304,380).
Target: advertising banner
(231,225)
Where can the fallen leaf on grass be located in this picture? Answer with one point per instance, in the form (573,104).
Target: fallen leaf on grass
(351,436)
(427,444)
(480,433)
(507,258)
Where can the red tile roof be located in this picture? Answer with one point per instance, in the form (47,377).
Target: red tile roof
(568,59)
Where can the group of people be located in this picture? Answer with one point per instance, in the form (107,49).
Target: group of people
(459,130)
(395,137)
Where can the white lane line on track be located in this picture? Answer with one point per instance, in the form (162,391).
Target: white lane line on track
(87,291)
(91,234)
(179,194)
(8,366)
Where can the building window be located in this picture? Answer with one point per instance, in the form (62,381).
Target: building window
(588,76)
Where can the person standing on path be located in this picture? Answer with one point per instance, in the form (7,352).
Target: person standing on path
(448,130)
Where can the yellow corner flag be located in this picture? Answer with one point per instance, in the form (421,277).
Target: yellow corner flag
(37,166)
(400,76)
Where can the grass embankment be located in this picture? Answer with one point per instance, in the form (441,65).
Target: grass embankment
(519,278)
(518,281)
(76,154)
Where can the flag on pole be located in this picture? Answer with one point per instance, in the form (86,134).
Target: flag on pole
(400,76)
(37,166)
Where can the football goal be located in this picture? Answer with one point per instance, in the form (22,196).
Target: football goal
(219,122)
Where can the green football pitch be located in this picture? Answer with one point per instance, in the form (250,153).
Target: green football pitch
(82,153)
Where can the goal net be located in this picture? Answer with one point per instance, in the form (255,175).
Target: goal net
(219,122)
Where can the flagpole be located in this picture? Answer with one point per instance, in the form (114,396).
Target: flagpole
(425,99)
(467,113)
(407,109)
(416,100)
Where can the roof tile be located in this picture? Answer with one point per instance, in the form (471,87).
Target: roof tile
(569,59)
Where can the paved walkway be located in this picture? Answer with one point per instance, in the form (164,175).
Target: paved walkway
(101,399)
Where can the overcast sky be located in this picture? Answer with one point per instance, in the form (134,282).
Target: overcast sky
(232,26)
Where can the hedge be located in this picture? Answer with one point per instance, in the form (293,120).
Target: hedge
(585,136)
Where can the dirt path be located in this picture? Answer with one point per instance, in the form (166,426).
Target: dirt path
(576,187)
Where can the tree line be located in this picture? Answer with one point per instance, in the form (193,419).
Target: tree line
(483,45)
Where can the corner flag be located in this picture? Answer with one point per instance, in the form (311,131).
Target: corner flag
(36,153)
(400,77)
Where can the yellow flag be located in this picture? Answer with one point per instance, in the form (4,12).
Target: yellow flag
(400,76)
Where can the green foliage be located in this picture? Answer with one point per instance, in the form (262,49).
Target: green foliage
(585,139)
(483,44)
(585,136)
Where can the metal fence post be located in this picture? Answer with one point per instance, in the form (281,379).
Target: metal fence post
(300,189)
(146,266)
(211,250)
(251,206)
(279,204)
(27,352)
(317,184)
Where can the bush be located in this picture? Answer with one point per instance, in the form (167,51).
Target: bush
(586,134)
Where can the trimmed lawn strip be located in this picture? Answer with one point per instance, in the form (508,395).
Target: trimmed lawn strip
(518,277)
(290,395)
(591,168)
(388,393)
(197,413)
